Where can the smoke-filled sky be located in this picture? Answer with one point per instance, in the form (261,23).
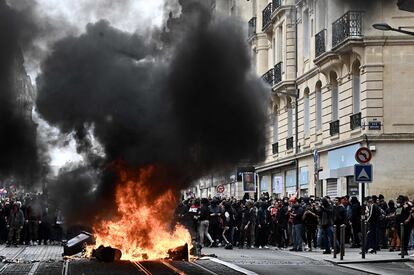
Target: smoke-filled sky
(181,94)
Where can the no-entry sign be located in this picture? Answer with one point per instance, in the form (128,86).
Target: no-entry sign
(363,155)
(220,188)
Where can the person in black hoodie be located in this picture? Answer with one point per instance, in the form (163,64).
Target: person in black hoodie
(339,216)
(262,225)
(372,219)
(403,216)
(310,221)
(282,224)
(204,216)
(228,224)
(355,222)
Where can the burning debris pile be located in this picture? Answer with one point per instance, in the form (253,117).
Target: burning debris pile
(170,106)
(141,229)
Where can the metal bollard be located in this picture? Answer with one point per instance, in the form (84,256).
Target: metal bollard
(334,241)
(364,238)
(402,246)
(342,242)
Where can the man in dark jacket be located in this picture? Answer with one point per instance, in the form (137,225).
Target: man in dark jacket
(262,225)
(15,224)
(372,219)
(355,221)
(326,222)
(296,215)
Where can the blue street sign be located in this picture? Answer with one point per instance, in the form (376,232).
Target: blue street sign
(363,173)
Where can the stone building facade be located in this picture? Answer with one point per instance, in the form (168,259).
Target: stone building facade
(336,84)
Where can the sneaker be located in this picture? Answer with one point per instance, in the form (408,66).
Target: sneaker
(265,247)
(260,247)
(252,246)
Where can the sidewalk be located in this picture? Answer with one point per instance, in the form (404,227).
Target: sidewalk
(383,262)
(352,256)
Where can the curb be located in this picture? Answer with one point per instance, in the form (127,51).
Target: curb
(367,261)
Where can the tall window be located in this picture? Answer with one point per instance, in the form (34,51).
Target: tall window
(356,88)
(306,114)
(275,127)
(279,44)
(275,51)
(334,97)
(318,97)
(290,117)
(306,39)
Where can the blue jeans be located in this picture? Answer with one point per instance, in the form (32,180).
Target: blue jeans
(327,236)
(297,236)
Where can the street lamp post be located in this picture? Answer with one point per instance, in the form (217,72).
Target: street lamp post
(386,27)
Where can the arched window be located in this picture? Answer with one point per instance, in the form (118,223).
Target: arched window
(306,113)
(318,105)
(356,88)
(334,97)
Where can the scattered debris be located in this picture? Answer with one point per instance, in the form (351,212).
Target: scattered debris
(77,244)
(107,254)
(179,253)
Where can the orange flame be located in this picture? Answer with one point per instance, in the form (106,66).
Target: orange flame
(142,227)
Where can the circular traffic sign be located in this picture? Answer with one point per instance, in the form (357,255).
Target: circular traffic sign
(220,188)
(363,155)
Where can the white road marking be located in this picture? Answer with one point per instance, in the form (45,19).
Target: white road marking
(232,266)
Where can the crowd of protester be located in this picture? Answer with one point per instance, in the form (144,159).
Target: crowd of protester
(29,219)
(301,224)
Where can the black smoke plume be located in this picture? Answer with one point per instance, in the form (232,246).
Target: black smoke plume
(19,158)
(184,99)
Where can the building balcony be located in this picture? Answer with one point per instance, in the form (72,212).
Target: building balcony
(267,16)
(347,26)
(278,73)
(274,75)
(275,148)
(289,143)
(252,27)
(269,76)
(320,43)
(276,4)
(334,128)
(355,121)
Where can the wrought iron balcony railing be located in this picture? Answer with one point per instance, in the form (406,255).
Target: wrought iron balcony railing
(355,121)
(349,25)
(274,75)
(320,43)
(276,4)
(289,143)
(334,128)
(252,27)
(269,76)
(278,73)
(275,148)
(267,16)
